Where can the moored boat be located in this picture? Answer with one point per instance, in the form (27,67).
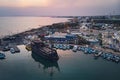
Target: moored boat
(6,48)
(2,56)
(75,48)
(12,50)
(39,48)
(98,53)
(28,47)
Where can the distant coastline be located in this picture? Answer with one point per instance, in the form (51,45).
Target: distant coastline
(14,25)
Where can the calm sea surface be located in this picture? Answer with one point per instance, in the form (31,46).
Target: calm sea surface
(11,25)
(71,66)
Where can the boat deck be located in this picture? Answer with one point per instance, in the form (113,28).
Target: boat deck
(48,50)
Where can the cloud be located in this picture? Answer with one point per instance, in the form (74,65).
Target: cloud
(82,3)
(23,3)
(57,3)
(60,7)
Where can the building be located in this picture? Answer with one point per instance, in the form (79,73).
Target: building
(62,38)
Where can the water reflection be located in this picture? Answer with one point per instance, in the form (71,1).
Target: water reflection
(47,65)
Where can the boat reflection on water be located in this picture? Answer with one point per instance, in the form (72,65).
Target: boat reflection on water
(46,64)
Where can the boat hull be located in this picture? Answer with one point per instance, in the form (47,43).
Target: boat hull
(41,54)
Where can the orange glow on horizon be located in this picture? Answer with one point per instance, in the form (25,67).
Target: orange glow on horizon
(26,3)
(41,3)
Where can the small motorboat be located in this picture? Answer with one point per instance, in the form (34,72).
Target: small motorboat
(75,48)
(64,47)
(6,48)
(98,53)
(57,46)
(12,50)
(28,47)
(60,46)
(2,56)
(116,58)
(68,47)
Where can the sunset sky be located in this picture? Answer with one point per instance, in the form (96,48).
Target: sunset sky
(58,7)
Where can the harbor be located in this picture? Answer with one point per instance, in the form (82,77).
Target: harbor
(60,40)
(81,31)
(77,47)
